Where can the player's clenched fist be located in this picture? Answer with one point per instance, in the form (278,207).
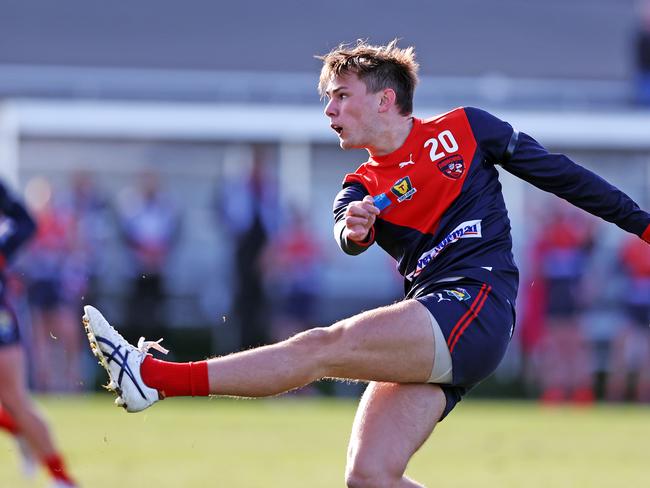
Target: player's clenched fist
(359,219)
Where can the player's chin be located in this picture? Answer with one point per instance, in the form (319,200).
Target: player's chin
(347,144)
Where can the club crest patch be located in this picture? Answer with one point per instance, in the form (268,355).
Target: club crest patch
(460,294)
(403,189)
(452,166)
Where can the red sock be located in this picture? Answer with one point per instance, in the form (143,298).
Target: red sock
(7,422)
(56,467)
(176,379)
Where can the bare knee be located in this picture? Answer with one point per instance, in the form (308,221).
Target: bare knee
(317,340)
(365,470)
(371,476)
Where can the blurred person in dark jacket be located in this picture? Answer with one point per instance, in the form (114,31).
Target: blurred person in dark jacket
(150,227)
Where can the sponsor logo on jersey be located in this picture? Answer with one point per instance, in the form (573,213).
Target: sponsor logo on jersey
(452,166)
(466,230)
(460,294)
(403,189)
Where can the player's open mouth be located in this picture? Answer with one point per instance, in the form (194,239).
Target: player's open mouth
(337,128)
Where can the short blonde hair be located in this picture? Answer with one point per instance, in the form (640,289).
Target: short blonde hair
(378,67)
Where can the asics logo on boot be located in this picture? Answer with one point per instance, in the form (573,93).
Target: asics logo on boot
(121,360)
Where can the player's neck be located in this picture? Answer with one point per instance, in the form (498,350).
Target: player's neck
(392,136)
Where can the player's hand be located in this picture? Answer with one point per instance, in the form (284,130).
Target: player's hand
(359,219)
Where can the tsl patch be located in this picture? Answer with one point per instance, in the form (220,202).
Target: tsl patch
(403,189)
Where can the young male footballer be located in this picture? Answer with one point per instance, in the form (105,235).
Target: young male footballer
(430,196)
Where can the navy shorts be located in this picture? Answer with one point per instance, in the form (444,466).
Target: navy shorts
(477,321)
(9,332)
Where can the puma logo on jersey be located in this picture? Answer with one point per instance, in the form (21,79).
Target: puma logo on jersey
(406,163)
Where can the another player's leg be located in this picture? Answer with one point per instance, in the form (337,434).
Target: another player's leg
(27,457)
(393,344)
(392,422)
(27,422)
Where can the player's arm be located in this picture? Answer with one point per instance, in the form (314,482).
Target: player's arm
(354,219)
(523,156)
(17,227)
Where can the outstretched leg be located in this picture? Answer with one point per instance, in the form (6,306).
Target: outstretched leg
(391,344)
(392,422)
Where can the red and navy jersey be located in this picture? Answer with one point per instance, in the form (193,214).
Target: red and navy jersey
(442,209)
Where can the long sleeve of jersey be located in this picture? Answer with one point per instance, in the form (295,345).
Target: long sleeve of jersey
(16,227)
(524,157)
(350,193)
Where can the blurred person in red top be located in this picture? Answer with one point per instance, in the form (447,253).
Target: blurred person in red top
(630,349)
(563,250)
(53,289)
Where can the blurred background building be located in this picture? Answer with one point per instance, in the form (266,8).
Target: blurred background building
(218,101)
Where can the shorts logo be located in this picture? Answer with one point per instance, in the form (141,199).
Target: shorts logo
(460,294)
(452,166)
(466,230)
(403,189)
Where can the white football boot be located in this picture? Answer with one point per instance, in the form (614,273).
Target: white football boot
(121,361)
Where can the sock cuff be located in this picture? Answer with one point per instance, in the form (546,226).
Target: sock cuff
(56,467)
(199,382)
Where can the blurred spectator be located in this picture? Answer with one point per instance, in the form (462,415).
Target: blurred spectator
(90,210)
(563,250)
(642,49)
(247,208)
(294,263)
(630,349)
(53,291)
(150,227)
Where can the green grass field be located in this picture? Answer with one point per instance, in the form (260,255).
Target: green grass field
(301,443)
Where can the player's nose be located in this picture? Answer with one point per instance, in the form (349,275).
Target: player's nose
(330,109)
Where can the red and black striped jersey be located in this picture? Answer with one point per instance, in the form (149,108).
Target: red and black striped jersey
(442,210)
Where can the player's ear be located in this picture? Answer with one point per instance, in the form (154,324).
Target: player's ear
(387,99)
